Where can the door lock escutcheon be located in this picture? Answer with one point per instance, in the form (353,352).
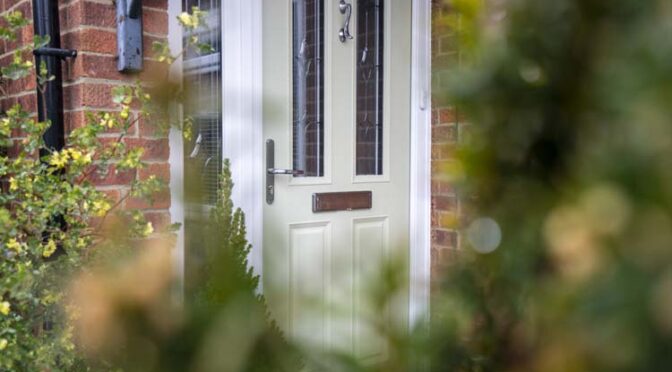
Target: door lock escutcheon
(271,171)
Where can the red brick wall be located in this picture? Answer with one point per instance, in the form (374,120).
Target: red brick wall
(445,133)
(90,27)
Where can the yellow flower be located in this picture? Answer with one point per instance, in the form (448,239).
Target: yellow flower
(87,158)
(59,159)
(107,120)
(14,245)
(188,20)
(49,249)
(75,154)
(148,230)
(100,207)
(13,184)
(3,344)
(5,128)
(124,114)
(4,308)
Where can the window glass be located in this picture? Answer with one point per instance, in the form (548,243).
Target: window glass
(308,87)
(203,88)
(369,125)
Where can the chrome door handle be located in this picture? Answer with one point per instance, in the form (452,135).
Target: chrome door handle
(344,32)
(293,172)
(272,171)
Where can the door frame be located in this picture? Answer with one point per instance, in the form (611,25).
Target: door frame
(242,123)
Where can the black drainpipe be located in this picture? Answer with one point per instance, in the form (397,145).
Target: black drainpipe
(46,23)
(50,101)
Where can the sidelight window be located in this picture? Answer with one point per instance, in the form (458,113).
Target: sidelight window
(203,89)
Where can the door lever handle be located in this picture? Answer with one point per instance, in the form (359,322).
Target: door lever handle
(344,33)
(293,172)
(272,171)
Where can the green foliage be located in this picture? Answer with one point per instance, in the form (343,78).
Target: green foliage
(567,149)
(52,216)
(223,324)
(229,282)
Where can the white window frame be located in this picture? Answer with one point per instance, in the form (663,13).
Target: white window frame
(243,136)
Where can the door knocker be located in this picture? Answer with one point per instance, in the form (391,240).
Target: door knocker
(344,33)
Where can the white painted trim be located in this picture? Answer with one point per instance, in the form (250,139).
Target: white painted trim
(176,157)
(421,144)
(242,114)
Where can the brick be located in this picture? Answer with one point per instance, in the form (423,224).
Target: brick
(147,45)
(444,134)
(444,238)
(158,4)
(155,149)
(155,21)
(113,195)
(91,40)
(443,151)
(160,170)
(70,16)
(439,187)
(98,67)
(97,95)
(444,203)
(446,115)
(161,200)
(446,219)
(149,129)
(28,101)
(111,177)
(100,15)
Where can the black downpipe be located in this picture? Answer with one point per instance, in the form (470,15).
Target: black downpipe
(50,96)
(46,23)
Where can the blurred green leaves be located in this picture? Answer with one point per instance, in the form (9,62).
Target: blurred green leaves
(568,115)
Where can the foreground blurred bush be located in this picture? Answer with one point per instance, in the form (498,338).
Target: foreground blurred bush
(125,316)
(569,152)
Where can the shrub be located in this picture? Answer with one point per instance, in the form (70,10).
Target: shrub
(51,214)
(223,324)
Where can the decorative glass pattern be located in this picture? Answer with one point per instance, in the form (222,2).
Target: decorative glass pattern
(370,42)
(203,89)
(308,87)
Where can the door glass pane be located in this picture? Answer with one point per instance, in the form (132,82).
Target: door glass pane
(369,158)
(308,87)
(202,74)
(203,89)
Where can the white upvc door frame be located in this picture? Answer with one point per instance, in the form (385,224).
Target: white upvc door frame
(421,173)
(176,156)
(243,136)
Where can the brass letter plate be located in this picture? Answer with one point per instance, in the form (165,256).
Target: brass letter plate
(341,201)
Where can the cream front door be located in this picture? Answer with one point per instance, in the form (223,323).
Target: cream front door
(336,83)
